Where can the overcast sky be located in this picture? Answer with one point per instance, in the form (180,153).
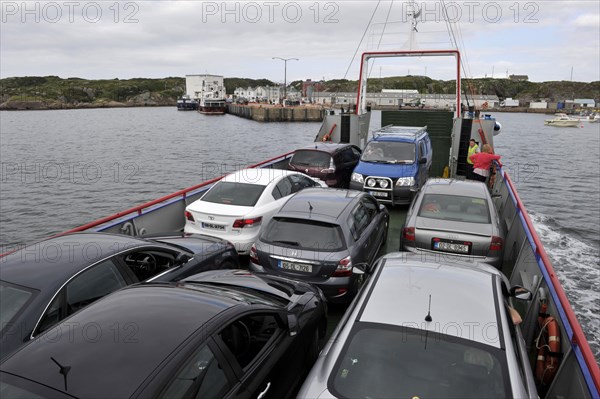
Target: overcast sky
(546,40)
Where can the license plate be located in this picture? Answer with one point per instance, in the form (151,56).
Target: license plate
(379,194)
(213,226)
(297,267)
(451,247)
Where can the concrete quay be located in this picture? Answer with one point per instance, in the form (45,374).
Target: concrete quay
(273,113)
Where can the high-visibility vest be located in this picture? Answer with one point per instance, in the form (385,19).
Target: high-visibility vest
(472,150)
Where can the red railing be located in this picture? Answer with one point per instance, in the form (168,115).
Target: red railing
(578,337)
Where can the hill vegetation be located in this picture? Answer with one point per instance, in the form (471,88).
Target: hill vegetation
(53,92)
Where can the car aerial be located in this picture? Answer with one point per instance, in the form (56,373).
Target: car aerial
(395,164)
(218,334)
(238,205)
(425,328)
(44,283)
(325,237)
(457,217)
(331,162)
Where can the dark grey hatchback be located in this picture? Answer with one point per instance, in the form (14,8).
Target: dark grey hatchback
(331,162)
(327,237)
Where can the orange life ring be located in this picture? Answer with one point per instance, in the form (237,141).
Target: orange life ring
(549,354)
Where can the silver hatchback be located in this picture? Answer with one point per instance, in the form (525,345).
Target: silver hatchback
(422,328)
(455,217)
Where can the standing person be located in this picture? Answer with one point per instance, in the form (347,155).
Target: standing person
(473,148)
(482,161)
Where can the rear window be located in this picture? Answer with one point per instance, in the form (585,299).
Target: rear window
(311,158)
(304,234)
(455,208)
(12,301)
(399,362)
(232,193)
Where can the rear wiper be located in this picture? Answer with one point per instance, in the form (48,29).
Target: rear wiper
(294,243)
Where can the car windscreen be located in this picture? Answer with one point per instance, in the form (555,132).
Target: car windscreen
(455,208)
(389,152)
(384,361)
(12,301)
(311,158)
(304,234)
(233,193)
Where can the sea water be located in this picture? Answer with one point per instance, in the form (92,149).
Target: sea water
(62,169)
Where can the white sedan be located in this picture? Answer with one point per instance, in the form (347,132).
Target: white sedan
(239,204)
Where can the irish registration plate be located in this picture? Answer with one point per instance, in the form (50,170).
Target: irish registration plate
(447,246)
(379,194)
(297,267)
(213,226)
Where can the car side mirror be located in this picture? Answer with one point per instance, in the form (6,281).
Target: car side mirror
(423,160)
(362,268)
(521,293)
(292,324)
(182,258)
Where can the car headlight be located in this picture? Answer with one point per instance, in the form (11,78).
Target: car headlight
(405,181)
(383,183)
(357,177)
(371,182)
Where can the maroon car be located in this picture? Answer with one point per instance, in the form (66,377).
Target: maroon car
(331,162)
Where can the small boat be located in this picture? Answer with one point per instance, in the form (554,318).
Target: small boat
(185,103)
(562,120)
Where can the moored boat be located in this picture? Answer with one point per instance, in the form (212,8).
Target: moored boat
(185,103)
(212,106)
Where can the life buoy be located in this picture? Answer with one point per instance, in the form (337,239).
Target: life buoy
(548,344)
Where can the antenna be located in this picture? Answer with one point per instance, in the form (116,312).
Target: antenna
(428,317)
(64,370)
(310,207)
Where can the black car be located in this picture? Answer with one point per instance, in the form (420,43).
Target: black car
(45,282)
(219,334)
(325,237)
(331,162)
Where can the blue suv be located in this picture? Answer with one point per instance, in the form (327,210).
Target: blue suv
(394,164)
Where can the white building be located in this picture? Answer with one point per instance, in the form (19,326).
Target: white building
(209,87)
(584,103)
(393,99)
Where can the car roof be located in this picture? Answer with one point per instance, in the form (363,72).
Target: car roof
(408,134)
(466,188)
(327,204)
(258,176)
(134,329)
(326,147)
(463,299)
(53,260)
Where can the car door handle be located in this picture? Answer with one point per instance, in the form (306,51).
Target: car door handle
(264,393)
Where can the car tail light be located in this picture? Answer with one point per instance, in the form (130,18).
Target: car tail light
(239,223)
(189,216)
(344,268)
(496,244)
(408,233)
(254,255)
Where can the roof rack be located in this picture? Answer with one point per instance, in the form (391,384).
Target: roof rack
(392,130)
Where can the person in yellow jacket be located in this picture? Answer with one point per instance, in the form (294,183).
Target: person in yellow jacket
(473,148)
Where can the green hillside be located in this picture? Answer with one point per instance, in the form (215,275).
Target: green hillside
(52,92)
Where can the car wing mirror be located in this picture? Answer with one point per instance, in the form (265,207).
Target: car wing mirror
(423,160)
(521,293)
(363,268)
(292,324)
(182,258)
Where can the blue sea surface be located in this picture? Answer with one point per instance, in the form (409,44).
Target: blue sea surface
(62,169)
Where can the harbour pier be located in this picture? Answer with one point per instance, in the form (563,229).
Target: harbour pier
(270,113)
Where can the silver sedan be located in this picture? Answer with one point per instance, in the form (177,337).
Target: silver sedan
(457,218)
